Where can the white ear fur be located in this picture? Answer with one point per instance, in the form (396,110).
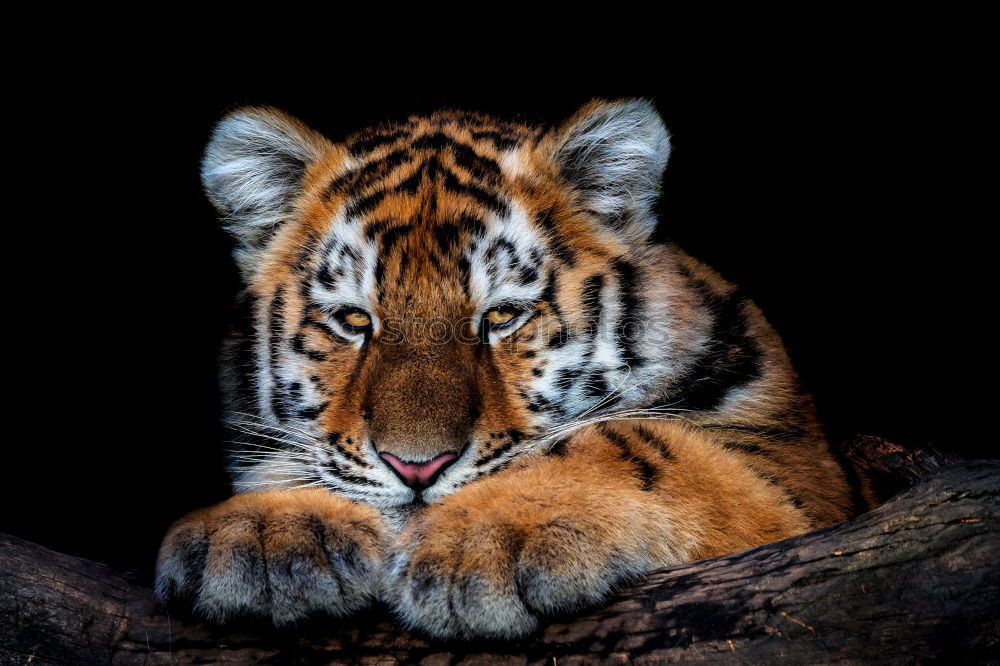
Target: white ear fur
(253,168)
(613,155)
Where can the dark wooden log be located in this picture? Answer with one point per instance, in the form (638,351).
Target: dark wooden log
(914,580)
(891,468)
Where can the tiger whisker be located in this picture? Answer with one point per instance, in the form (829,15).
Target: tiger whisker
(303,445)
(580,419)
(266,427)
(610,395)
(261,448)
(653,413)
(279,427)
(272,460)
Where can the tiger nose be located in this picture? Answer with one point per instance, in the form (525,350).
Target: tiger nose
(419,475)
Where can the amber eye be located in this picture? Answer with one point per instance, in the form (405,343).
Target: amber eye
(354,319)
(498,318)
(357,319)
(502,316)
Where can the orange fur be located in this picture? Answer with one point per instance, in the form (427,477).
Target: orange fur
(714,446)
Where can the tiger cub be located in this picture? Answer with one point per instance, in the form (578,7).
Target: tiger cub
(467,383)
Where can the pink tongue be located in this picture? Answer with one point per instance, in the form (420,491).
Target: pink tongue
(418,472)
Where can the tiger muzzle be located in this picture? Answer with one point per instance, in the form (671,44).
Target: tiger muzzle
(422,403)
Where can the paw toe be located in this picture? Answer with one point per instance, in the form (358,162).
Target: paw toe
(181,563)
(461,595)
(235,571)
(561,568)
(312,567)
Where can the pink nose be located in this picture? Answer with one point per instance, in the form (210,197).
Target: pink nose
(419,475)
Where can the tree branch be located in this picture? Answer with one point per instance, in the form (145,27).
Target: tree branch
(914,579)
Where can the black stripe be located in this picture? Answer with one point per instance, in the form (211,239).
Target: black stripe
(319,384)
(365,204)
(495,453)
(302,258)
(465,273)
(514,436)
(499,141)
(590,303)
(558,245)
(334,439)
(482,167)
(360,147)
(590,299)
(466,157)
(320,325)
(596,386)
(784,434)
(495,247)
(376,227)
(549,293)
(389,238)
(631,311)
(730,360)
(392,236)
(326,277)
(559,339)
(645,471)
(528,274)
(560,447)
(344,475)
(279,400)
(369,173)
(410,185)
(775,481)
(313,412)
(743,447)
(566,377)
(656,442)
(275,332)
(446,235)
(491,201)
(472,225)
(436,141)
(241,360)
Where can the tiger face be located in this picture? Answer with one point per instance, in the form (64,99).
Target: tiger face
(426,302)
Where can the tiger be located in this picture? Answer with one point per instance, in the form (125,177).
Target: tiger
(469,383)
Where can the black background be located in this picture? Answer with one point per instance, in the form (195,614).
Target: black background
(831,182)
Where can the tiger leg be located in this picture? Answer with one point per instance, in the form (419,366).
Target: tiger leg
(563,530)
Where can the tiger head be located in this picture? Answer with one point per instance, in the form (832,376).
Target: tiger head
(427,301)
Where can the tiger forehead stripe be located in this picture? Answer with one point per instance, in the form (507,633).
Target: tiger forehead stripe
(468,138)
(485,192)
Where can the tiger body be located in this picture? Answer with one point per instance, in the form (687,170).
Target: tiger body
(470,386)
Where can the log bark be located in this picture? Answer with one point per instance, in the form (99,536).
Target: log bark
(913,580)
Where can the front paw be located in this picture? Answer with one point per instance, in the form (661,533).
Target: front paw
(494,576)
(282,555)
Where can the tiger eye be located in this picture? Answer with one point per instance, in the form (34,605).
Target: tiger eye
(357,319)
(497,317)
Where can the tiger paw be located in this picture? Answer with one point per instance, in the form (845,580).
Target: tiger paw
(281,555)
(459,572)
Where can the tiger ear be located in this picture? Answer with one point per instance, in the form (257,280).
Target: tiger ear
(613,154)
(253,168)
